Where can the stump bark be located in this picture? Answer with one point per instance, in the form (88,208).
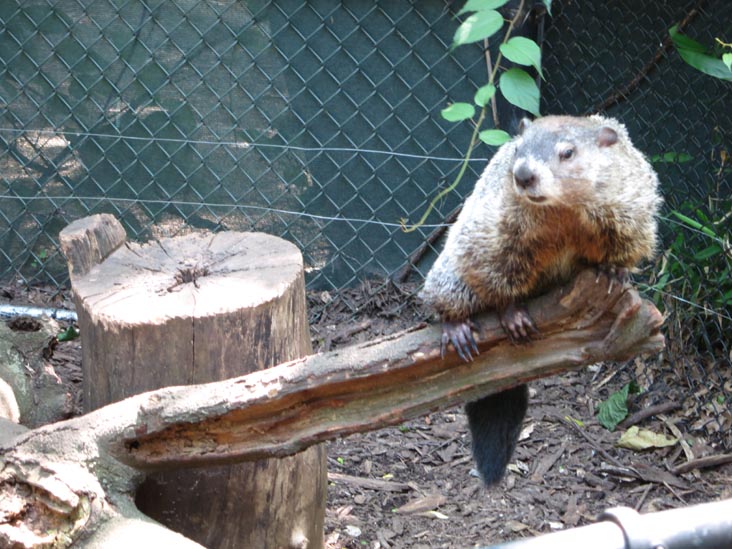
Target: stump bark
(195,309)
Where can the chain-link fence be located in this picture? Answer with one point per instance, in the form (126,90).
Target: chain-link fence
(616,57)
(319,121)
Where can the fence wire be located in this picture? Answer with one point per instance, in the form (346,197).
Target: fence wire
(298,119)
(319,121)
(614,57)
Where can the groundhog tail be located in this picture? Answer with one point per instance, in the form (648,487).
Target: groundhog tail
(495,424)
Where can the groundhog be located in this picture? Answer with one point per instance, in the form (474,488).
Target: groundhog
(566,193)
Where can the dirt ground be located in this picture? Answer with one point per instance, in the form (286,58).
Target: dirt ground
(414,486)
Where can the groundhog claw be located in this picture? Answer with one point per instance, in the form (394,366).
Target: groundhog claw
(460,334)
(517,323)
(615,273)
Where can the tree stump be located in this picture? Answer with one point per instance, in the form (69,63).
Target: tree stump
(195,309)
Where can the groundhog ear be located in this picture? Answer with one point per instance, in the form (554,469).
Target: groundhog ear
(607,137)
(525,123)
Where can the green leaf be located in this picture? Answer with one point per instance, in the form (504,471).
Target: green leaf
(727,60)
(494,137)
(708,252)
(662,281)
(481,5)
(684,42)
(707,64)
(614,409)
(642,439)
(484,95)
(694,224)
(478,26)
(548,4)
(520,89)
(523,51)
(727,297)
(577,422)
(70,333)
(673,157)
(703,218)
(457,112)
(694,54)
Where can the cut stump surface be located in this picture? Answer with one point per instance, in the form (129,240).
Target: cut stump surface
(197,275)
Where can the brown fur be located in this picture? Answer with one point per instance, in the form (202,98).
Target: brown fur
(597,208)
(567,193)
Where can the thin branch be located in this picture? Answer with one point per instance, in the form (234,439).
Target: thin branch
(416,256)
(647,412)
(703,463)
(623,93)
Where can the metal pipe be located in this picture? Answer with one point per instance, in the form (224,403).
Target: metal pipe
(707,526)
(10,311)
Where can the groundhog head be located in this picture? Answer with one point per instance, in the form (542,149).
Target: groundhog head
(560,159)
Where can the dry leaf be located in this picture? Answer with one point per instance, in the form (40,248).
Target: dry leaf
(420,505)
(642,439)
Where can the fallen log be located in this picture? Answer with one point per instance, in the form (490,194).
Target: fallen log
(82,473)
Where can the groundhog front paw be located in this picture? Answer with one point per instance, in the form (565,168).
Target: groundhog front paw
(615,273)
(460,334)
(517,323)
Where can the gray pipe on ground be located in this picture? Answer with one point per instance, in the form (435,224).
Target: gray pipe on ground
(10,311)
(707,526)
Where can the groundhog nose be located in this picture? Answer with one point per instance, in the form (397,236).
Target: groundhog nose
(524,176)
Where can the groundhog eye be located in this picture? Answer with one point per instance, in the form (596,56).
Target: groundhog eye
(566,154)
